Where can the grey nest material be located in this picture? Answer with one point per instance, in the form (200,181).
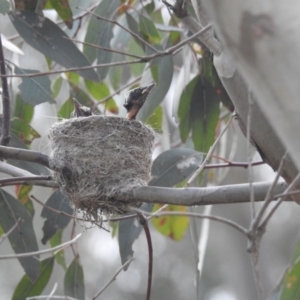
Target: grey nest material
(98,160)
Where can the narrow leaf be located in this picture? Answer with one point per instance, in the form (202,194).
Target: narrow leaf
(63,9)
(100,33)
(24,131)
(97,90)
(56,86)
(158,93)
(66,109)
(55,221)
(198,113)
(147,27)
(23,110)
(129,231)
(22,239)
(22,192)
(291,283)
(172,226)
(174,166)
(155,120)
(74,280)
(34,90)
(27,288)
(56,240)
(48,38)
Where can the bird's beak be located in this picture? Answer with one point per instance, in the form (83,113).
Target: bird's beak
(148,88)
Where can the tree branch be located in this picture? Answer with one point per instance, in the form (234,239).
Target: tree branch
(238,193)
(5,131)
(24,155)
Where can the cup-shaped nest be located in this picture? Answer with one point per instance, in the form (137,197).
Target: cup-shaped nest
(97,160)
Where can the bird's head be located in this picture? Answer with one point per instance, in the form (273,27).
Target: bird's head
(135,99)
(80,110)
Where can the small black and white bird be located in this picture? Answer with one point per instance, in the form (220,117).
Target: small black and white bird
(80,110)
(135,99)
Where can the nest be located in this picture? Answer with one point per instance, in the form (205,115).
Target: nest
(98,160)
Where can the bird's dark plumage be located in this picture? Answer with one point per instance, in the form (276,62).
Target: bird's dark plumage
(80,110)
(135,99)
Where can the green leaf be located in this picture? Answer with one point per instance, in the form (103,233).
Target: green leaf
(97,90)
(74,280)
(48,38)
(22,192)
(172,226)
(56,240)
(158,93)
(116,72)
(22,239)
(63,9)
(28,288)
(212,76)
(66,109)
(198,112)
(150,7)
(114,228)
(55,221)
(134,27)
(24,131)
(290,289)
(56,87)
(81,96)
(111,106)
(34,90)
(100,32)
(23,110)
(4,7)
(147,27)
(174,166)
(73,78)
(155,120)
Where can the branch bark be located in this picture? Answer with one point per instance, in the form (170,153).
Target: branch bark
(237,193)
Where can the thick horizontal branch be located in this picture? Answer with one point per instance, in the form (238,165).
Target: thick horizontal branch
(24,155)
(237,193)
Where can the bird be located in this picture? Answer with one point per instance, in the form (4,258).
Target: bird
(80,110)
(135,99)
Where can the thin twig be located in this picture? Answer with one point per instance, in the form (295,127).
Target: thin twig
(5,235)
(124,28)
(209,154)
(52,297)
(196,215)
(18,172)
(233,164)
(53,291)
(113,278)
(144,223)
(40,252)
(170,51)
(16,180)
(268,217)
(248,136)
(105,49)
(268,198)
(5,130)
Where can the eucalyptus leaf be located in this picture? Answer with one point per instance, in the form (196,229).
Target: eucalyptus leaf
(48,38)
